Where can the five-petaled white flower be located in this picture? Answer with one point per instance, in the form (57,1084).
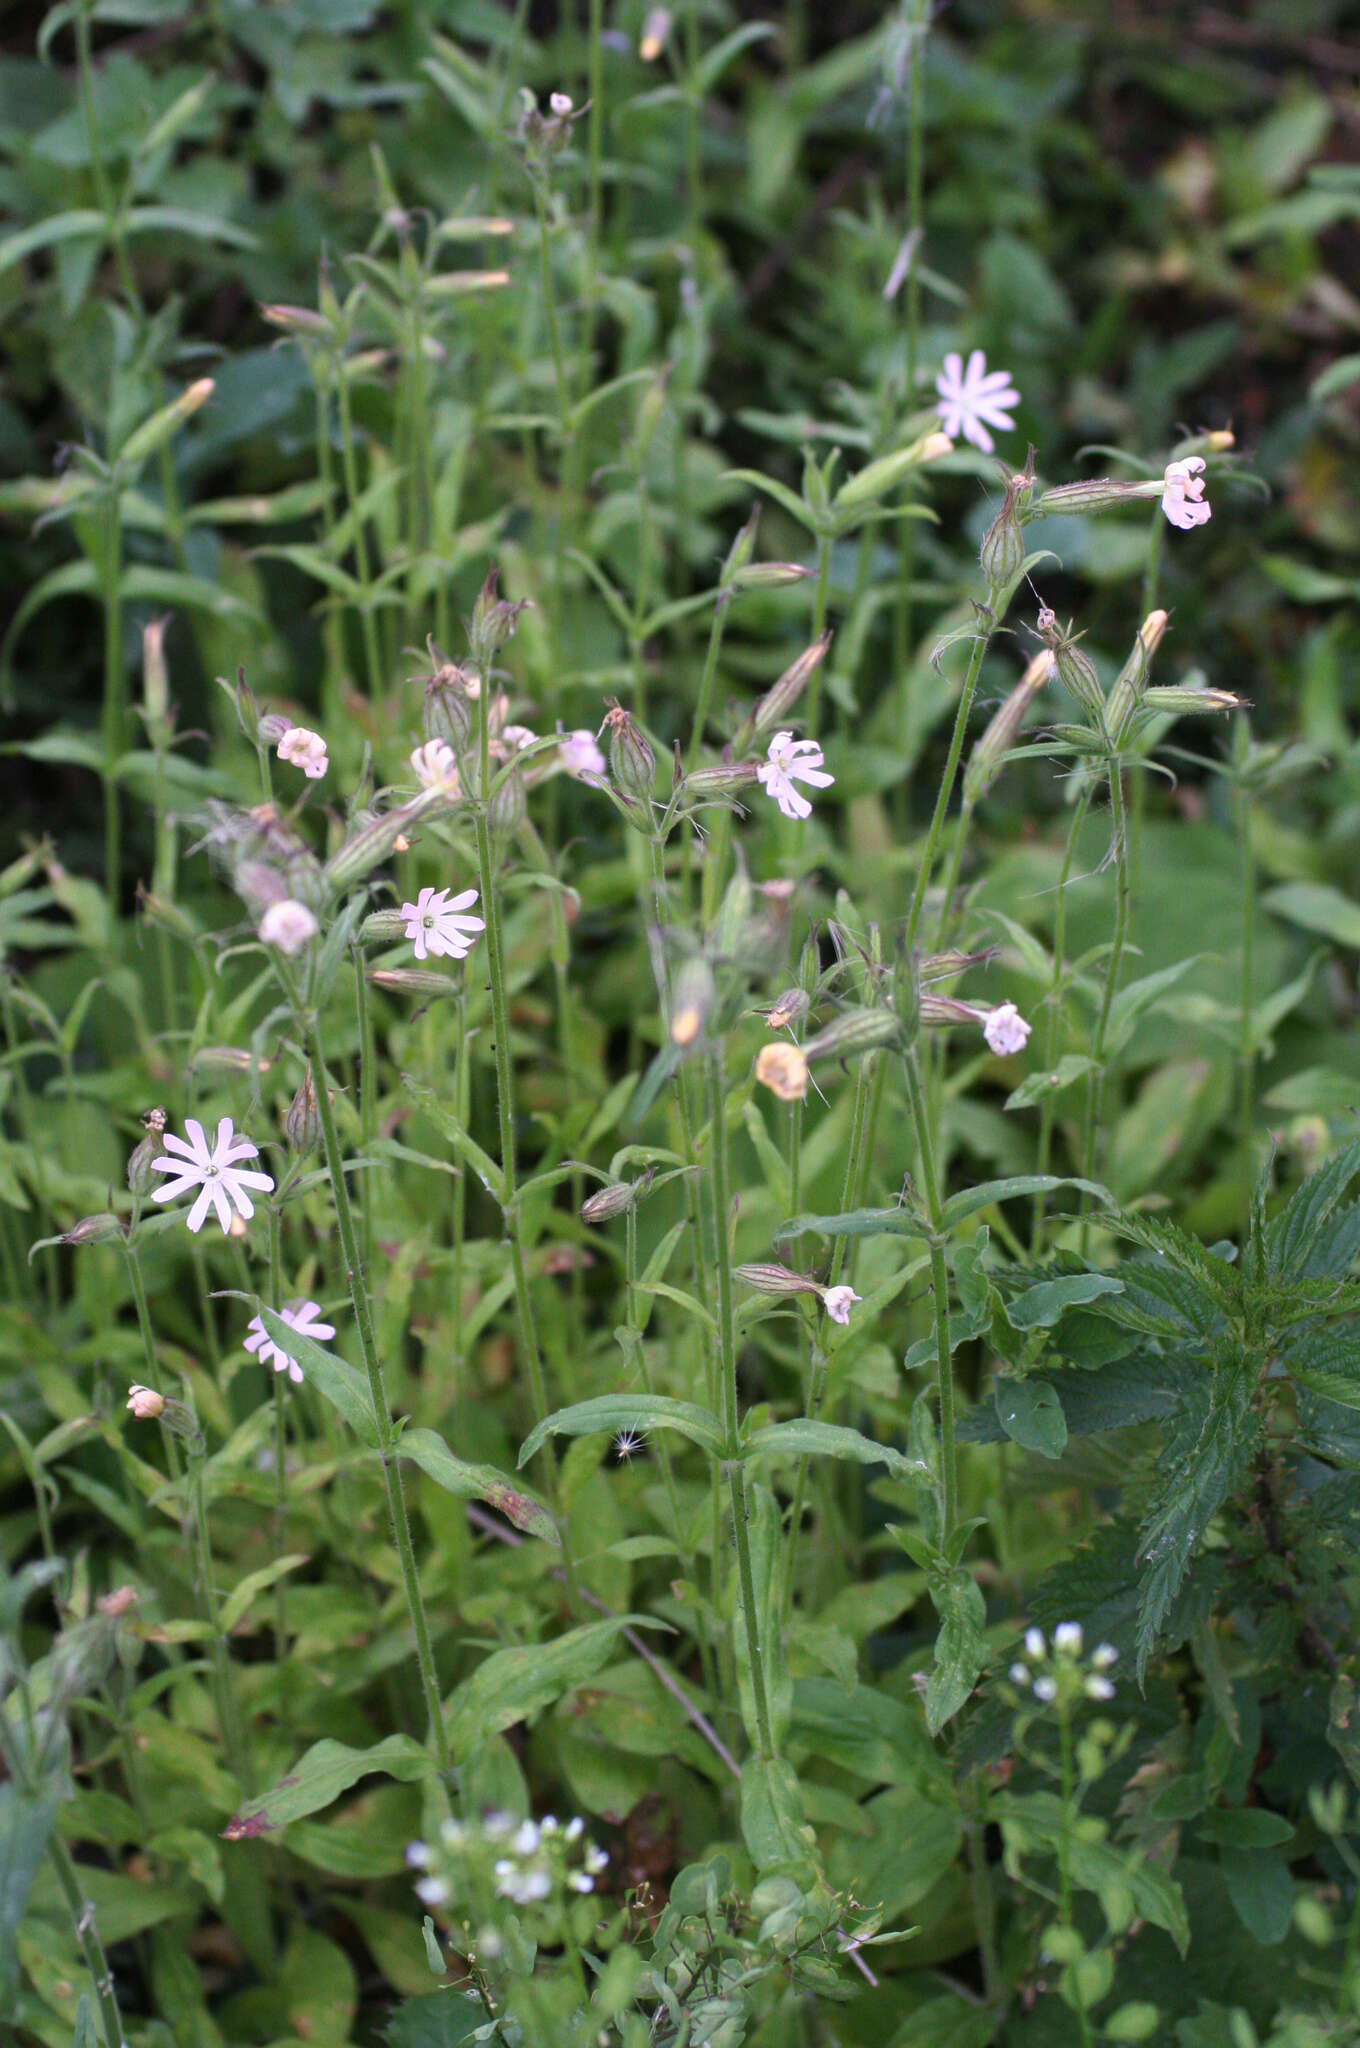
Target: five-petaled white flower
(579,754)
(288,925)
(972,400)
(215,1171)
(1006,1030)
(789,761)
(838,1302)
(300,1317)
(1183,499)
(436,766)
(435,923)
(306,750)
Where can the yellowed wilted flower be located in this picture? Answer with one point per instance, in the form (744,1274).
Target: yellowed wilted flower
(782,1069)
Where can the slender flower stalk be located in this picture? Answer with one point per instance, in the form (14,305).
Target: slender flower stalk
(1113,965)
(981,641)
(391,1469)
(727,1352)
(939,1287)
(1053,1001)
(362,569)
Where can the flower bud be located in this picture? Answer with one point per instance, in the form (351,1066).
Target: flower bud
(494,619)
(780,698)
(296,320)
(632,759)
(615,1200)
(1132,678)
(447,714)
(854,1033)
(741,550)
(1076,672)
(782,1068)
(139,1176)
(876,479)
(691,1000)
(302,1120)
(772,1279)
(167,916)
(726,781)
(1003,546)
(412,981)
(788,1008)
(146,1404)
(996,742)
(507,810)
(92,1230)
(376,839)
(1092,494)
(769,575)
(1182,697)
(655,29)
(155,676)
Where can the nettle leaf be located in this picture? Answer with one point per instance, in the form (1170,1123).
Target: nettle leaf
(1300,1225)
(1206,1457)
(1179,1249)
(1117,1396)
(1326,1360)
(437,2019)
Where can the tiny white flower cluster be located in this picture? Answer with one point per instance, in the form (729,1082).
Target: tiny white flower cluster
(530,1861)
(1059,1670)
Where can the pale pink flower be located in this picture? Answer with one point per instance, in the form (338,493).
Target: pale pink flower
(145,1403)
(972,400)
(436,766)
(305,750)
(436,923)
(1183,499)
(1005,1030)
(516,737)
(300,1317)
(214,1170)
(838,1302)
(790,761)
(579,754)
(289,926)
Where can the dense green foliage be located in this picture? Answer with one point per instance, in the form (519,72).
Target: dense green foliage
(889,1489)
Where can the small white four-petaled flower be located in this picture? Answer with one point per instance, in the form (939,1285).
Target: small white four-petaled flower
(1006,1030)
(305,750)
(302,1317)
(436,923)
(790,761)
(215,1170)
(972,400)
(288,926)
(1183,499)
(838,1302)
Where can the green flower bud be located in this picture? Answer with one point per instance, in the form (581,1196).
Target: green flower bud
(632,758)
(855,1033)
(302,1121)
(1076,671)
(140,1179)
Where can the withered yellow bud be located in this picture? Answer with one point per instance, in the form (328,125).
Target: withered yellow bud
(782,1069)
(934,446)
(686,1024)
(655,29)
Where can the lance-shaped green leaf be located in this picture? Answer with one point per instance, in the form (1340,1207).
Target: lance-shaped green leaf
(510,1685)
(426,1448)
(969,1200)
(610,1412)
(237,1602)
(1042,1305)
(899,1221)
(320,1775)
(447,1124)
(334,1378)
(806,1438)
(26,1821)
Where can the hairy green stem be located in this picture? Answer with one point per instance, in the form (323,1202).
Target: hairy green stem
(368,621)
(391,1469)
(1246,1043)
(939,1288)
(1095,1085)
(1053,1020)
(981,642)
(727,1352)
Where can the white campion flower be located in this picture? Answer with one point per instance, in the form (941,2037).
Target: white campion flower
(305,750)
(436,923)
(1005,1030)
(838,1302)
(289,926)
(435,766)
(215,1170)
(789,761)
(302,1317)
(579,754)
(972,400)
(1183,499)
